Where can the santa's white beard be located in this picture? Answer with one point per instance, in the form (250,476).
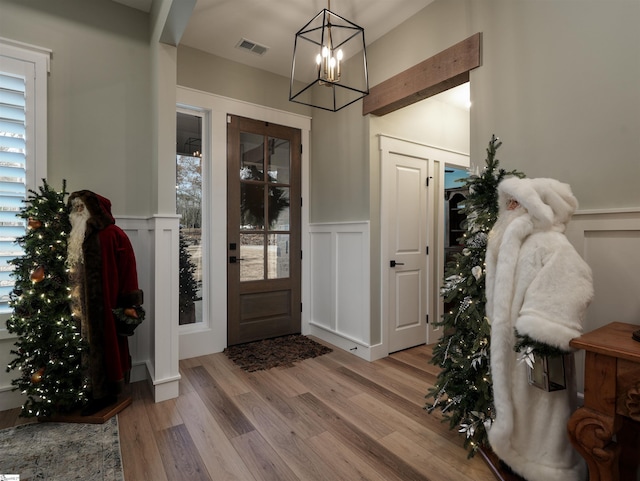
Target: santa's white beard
(505,218)
(78,219)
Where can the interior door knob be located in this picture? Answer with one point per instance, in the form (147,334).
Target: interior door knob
(234,259)
(394,263)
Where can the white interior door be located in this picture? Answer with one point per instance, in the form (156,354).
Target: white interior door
(405,193)
(412,227)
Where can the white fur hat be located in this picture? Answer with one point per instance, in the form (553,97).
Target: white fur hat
(548,201)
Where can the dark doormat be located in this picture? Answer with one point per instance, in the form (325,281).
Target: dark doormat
(281,351)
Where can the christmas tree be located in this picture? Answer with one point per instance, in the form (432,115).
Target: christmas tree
(463,390)
(49,348)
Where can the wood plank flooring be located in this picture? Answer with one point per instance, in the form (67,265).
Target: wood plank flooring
(335,417)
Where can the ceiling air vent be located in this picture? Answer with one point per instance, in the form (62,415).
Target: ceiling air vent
(252,47)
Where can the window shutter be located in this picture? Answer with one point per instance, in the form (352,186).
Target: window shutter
(13,187)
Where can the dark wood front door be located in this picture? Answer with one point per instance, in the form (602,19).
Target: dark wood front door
(263,225)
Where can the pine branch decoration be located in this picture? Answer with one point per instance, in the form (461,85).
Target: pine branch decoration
(463,390)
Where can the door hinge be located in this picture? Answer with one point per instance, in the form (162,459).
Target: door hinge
(300,255)
(228,119)
(427,316)
(300,201)
(426,249)
(301,307)
(427,181)
(301,148)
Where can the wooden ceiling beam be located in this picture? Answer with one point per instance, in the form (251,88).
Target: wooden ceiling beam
(441,72)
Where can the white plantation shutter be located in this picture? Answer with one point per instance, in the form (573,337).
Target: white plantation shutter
(23,71)
(13,169)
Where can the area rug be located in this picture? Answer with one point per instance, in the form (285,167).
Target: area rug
(62,451)
(278,352)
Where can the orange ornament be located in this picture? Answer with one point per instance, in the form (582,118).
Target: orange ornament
(34,223)
(36,377)
(38,274)
(131,312)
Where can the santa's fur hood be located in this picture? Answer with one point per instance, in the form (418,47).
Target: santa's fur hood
(98,206)
(550,203)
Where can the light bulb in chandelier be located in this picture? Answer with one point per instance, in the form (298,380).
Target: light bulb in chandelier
(329,65)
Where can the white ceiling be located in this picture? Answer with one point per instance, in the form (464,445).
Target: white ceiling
(217,26)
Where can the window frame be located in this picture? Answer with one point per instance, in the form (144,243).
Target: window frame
(33,64)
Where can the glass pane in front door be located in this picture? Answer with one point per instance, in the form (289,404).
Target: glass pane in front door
(279,160)
(251,156)
(278,202)
(251,206)
(278,256)
(251,257)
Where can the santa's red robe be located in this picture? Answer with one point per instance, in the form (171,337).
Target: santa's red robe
(110,282)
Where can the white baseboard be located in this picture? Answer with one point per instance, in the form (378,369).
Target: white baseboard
(166,389)
(368,353)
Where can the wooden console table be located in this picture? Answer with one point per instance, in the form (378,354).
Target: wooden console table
(611,403)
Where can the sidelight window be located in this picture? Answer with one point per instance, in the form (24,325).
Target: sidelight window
(189,205)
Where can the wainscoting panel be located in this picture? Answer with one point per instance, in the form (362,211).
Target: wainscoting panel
(352,285)
(614,258)
(140,234)
(609,241)
(322,278)
(339,285)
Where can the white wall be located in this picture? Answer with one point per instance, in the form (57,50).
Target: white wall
(205,72)
(559,85)
(99,104)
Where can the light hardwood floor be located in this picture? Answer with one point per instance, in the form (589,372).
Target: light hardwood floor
(335,417)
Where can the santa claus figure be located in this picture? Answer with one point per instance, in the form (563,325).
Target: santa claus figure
(105,297)
(538,287)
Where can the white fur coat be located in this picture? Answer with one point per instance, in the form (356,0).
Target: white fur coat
(538,285)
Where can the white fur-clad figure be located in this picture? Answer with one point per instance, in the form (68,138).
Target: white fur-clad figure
(539,286)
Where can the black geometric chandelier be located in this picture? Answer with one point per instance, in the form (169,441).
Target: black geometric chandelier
(329,69)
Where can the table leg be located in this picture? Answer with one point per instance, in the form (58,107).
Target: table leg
(591,433)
